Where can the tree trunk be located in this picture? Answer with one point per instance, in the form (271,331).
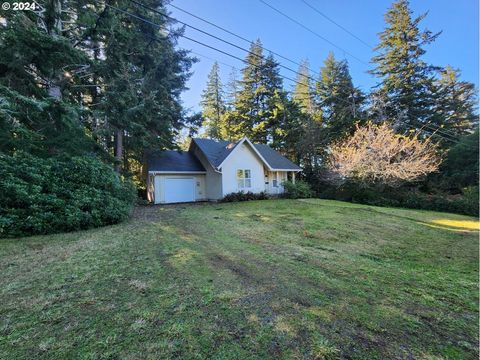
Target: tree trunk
(118,150)
(53,87)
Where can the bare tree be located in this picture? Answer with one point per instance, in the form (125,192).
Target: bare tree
(375,154)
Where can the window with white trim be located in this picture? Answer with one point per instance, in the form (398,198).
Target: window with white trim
(275,179)
(244,178)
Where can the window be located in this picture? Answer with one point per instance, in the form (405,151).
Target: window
(275,180)
(244,179)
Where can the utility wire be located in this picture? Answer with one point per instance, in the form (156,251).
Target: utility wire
(240,37)
(246,40)
(234,56)
(440,130)
(207,33)
(312,31)
(193,40)
(337,24)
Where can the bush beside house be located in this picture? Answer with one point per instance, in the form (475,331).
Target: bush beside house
(297,190)
(245,196)
(41,196)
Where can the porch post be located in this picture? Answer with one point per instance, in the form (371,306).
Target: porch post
(293,177)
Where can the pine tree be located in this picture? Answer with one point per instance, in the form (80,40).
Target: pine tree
(303,93)
(232,89)
(117,77)
(260,102)
(246,118)
(274,102)
(145,75)
(39,110)
(213,105)
(340,102)
(456,103)
(405,79)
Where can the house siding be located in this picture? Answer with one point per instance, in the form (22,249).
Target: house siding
(243,157)
(213,179)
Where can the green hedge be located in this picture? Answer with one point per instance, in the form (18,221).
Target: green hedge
(41,196)
(298,190)
(245,196)
(466,203)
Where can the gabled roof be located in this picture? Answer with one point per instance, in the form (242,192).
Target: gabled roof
(217,151)
(274,159)
(214,151)
(174,161)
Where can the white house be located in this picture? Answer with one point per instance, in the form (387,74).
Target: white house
(210,169)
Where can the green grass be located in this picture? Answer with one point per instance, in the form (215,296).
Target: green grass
(279,279)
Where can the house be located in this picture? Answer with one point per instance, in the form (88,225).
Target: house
(210,169)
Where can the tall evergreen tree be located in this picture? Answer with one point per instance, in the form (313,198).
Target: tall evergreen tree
(117,77)
(456,102)
(39,110)
(340,102)
(246,118)
(405,78)
(213,105)
(144,75)
(303,93)
(273,107)
(260,102)
(232,89)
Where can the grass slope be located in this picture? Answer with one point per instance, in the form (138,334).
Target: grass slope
(279,279)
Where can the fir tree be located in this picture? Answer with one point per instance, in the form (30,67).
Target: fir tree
(213,105)
(274,102)
(303,92)
(246,118)
(456,103)
(232,89)
(145,75)
(260,102)
(406,80)
(340,102)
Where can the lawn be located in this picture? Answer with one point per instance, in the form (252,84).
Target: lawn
(279,279)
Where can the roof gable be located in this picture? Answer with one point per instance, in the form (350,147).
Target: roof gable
(275,159)
(217,153)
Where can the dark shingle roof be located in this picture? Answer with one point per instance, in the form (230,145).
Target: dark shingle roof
(274,159)
(174,161)
(217,151)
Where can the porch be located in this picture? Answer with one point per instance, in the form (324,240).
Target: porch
(274,180)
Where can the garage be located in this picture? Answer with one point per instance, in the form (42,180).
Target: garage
(179,190)
(175,177)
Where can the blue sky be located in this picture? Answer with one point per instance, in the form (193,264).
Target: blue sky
(458,45)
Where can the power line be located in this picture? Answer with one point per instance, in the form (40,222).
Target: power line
(318,35)
(337,24)
(212,59)
(239,37)
(312,31)
(230,55)
(193,40)
(208,34)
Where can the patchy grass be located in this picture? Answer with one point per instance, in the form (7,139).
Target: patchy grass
(276,279)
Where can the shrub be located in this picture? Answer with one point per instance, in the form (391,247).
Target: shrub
(245,196)
(41,196)
(407,197)
(299,189)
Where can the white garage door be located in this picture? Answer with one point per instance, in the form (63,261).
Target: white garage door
(179,190)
